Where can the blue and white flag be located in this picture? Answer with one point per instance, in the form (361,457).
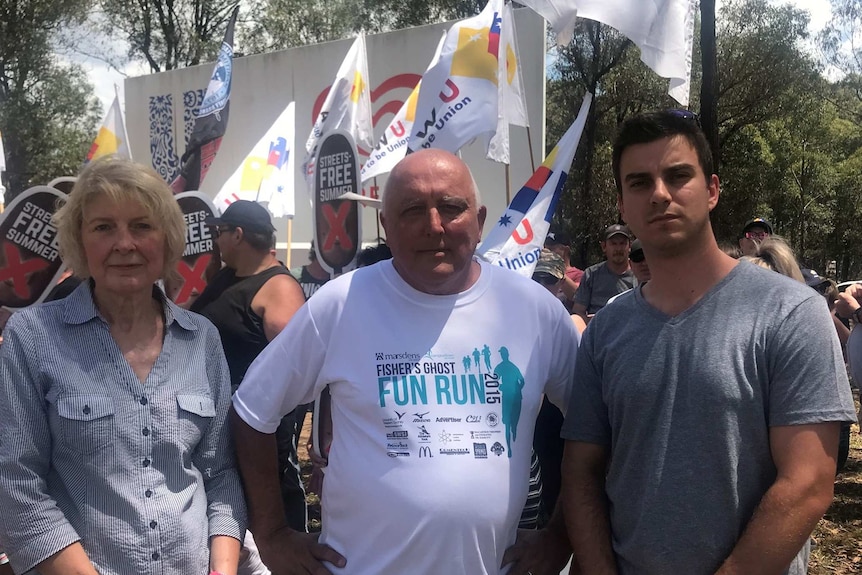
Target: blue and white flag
(516,240)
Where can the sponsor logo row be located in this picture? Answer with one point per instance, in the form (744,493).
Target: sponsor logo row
(479,450)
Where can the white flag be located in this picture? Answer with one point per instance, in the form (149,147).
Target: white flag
(516,241)
(266,175)
(458,99)
(111,138)
(662,29)
(392,146)
(512,106)
(347,106)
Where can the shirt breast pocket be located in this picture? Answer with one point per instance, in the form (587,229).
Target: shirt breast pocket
(195,413)
(86,421)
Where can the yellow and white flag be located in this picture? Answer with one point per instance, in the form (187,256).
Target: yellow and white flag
(512,106)
(111,138)
(458,99)
(267,174)
(392,146)
(662,29)
(347,107)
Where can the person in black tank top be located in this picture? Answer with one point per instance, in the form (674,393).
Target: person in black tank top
(250,301)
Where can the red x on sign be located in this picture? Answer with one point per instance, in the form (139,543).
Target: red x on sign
(193,276)
(337,226)
(19,271)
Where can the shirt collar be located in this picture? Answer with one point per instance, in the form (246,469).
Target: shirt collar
(80,307)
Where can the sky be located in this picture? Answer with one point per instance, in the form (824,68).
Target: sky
(104,77)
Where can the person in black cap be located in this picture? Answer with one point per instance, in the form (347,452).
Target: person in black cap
(754,232)
(250,301)
(604,280)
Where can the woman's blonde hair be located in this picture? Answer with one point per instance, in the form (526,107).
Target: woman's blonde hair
(775,254)
(122,181)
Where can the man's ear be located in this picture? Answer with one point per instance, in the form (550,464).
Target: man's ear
(481,215)
(714,189)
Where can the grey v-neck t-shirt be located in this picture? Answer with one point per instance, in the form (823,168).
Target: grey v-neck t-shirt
(685,404)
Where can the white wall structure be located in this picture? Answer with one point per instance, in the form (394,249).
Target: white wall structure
(160,108)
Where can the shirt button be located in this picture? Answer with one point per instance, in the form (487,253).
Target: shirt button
(148,492)
(155,556)
(145,431)
(143,400)
(146,462)
(153,524)
(86,410)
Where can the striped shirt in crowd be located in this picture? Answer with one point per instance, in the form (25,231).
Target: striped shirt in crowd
(141,474)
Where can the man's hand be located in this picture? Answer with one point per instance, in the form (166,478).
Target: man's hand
(538,553)
(848,301)
(289,552)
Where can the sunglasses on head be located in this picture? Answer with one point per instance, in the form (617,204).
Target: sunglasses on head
(757,235)
(637,257)
(686,115)
(545,279)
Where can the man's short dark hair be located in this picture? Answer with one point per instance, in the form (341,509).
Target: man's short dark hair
(259,241)
(652,126)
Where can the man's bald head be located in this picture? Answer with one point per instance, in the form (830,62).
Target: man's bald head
(433,222)
(429,162)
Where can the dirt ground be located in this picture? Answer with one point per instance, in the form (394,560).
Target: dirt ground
(838,536)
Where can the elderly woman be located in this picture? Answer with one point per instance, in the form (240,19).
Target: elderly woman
(114,447)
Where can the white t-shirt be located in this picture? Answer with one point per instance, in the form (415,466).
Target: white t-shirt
(421,477)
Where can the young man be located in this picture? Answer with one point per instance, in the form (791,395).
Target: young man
(704,435)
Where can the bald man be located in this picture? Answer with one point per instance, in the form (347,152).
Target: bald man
(421,477)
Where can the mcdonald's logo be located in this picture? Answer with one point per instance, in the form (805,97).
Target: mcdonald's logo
(425,451)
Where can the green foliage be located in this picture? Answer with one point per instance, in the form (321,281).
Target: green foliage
(168,34)
(48,113)
(279,24)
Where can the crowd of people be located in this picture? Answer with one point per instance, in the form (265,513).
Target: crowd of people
(672,409)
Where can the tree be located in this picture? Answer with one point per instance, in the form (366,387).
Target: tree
(168,34)
(766,80)
(839,43)
(47,110)
(279,24)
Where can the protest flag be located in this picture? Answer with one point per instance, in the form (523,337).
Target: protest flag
(266,175)
(516,241)
(662,29)
(347,107)
(458,97)
(112,138)
(512,105)
(392,146)
(211,122)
